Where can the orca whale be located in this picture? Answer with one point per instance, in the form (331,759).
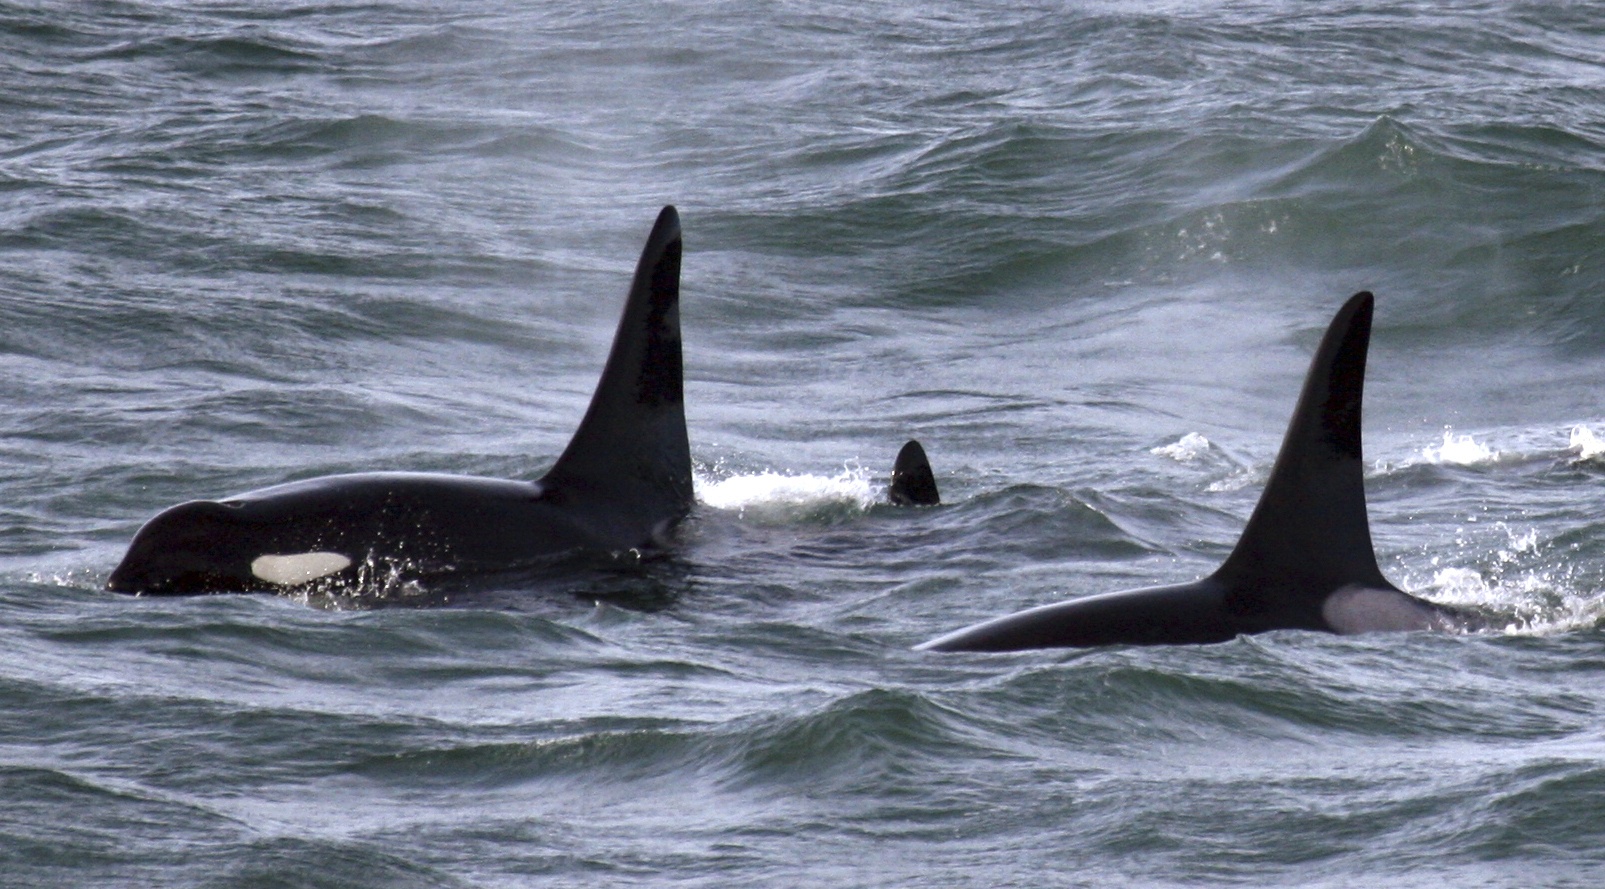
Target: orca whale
(1304,561)
(913,483)
(622,483)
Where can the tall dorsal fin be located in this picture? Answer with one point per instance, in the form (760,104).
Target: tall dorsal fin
(913,483)
(1310,531)
(632,444)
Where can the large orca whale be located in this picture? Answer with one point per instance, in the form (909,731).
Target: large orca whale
(622,483)
(1304,561)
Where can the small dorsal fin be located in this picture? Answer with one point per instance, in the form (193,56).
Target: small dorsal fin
(1309,531)
(913,483)
(632,444)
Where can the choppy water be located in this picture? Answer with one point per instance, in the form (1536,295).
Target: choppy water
(1082,251)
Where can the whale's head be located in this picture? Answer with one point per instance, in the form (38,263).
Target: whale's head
(205,547)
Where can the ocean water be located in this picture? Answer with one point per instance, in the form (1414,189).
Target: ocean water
(1082,251)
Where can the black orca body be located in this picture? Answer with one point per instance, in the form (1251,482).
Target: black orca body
(622,483)
(913,483)
(1304,561)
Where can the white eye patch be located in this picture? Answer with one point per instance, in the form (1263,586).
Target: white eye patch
(298,568)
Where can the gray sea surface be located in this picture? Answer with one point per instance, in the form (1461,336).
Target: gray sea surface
(1082,251)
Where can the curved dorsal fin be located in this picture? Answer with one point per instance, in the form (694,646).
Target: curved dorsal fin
(913,483)
(1309,531)
(632,447)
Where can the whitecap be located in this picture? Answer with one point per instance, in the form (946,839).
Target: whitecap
(1184,450)
(1459,450)
(1586,444)
(777,496)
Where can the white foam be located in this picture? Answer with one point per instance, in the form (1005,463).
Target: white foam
(1586,444)
(1462,586)
(776,495)
(1520,544)
(1459,450)
(1184,450)
(1519,591)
